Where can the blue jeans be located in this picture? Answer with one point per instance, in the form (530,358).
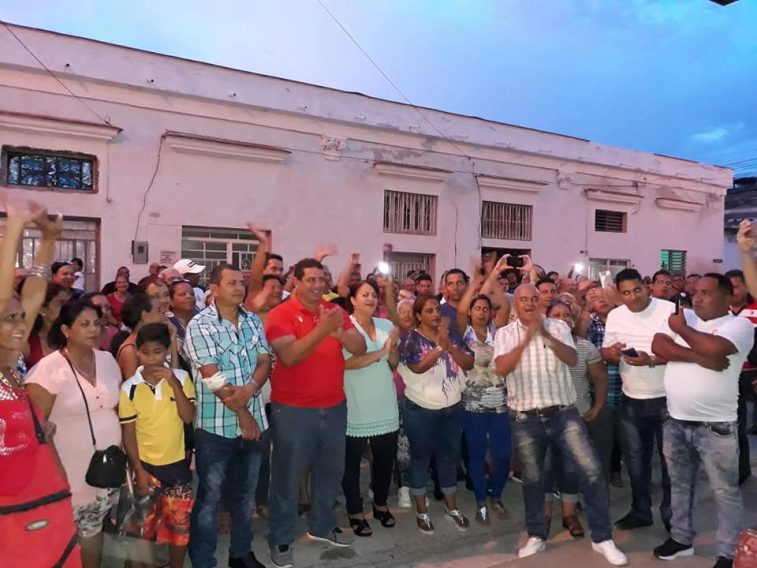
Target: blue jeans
(488,430)
(433,433)
(227,466)
(532,436)
(640,422)
(715,446)
(305,439)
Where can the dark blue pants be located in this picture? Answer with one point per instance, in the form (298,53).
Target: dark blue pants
(488,430)
(225,466)
(433,433)
(305,439)
(641,423)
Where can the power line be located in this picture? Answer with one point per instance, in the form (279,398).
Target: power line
(410,103)
(53,75)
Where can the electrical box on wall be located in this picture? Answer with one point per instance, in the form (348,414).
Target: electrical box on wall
(139,252)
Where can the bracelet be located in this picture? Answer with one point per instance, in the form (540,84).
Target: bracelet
(439,349)
(40,271)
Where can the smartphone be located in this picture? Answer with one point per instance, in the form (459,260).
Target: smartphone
(514,262)
(383,268)
(677,303)
(630,352)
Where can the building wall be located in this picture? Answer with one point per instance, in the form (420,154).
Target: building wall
(190,144)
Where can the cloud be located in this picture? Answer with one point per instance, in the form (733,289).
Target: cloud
(711,136)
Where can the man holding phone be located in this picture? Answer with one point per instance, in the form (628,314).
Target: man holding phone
(628,338)
(706,348)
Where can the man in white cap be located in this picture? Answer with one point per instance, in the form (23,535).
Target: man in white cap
(191,271)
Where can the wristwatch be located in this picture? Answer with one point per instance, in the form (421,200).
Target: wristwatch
(439,348)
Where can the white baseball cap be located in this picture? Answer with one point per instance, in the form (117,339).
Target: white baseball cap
(188,266)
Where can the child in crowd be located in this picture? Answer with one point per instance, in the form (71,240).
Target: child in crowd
(155,405)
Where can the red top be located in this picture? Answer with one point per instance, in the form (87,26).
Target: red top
(35,350)
(18,440)
(117,306)
(318,380)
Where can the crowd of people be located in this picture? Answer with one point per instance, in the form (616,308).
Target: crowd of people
(265,392)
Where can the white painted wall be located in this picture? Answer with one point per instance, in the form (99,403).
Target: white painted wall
(316,191)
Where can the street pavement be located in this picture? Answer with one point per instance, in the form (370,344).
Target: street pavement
(497,544)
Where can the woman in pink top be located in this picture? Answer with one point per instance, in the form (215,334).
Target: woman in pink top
(52,386)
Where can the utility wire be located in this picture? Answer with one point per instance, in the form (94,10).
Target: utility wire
(53,75)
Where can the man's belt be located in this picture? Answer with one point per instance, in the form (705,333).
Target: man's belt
(547,410)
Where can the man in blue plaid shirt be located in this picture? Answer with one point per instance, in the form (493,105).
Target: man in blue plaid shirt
(225,338)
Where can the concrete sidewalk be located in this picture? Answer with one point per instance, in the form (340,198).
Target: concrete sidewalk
(495,545)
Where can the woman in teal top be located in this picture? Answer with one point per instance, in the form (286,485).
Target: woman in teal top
(372,414)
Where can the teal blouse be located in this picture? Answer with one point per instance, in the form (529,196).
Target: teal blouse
(371,395)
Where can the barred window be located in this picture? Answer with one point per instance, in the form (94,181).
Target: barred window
(506,221)
(403,262)
(410,213)
(211,246)
(673,260)
(609,221)
(39,168)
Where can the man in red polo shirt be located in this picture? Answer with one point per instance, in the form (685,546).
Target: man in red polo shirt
(308,410)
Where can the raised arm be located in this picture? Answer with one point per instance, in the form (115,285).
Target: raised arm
(21,212)
(255,280)
(342,283)
(746,242)
(465,302)
(35,285)
(498,296)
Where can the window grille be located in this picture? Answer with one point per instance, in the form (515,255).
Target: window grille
(410,213)
(609,221)
(506,221)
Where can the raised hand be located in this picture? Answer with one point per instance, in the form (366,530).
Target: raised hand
(50,228)
(324,251)
(22,208)
(259,233)
(744,237)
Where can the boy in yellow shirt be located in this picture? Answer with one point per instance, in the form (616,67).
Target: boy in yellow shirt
(154,406)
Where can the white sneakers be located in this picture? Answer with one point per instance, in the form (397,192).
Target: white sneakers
(403,498)
(606,548)
(534,545)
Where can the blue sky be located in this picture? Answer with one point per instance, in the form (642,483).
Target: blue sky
(678,77)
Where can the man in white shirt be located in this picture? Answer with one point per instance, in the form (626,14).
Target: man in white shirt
(534,354)
(705,350)
(642,411)
(191,271)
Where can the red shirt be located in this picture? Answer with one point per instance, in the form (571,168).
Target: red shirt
(318,380)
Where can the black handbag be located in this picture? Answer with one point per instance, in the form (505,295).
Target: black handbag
(107,468)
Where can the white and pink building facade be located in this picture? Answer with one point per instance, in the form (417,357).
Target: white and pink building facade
(177,156)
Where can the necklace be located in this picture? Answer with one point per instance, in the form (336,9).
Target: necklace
(14,388)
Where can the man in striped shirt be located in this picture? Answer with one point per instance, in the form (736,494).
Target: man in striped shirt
(227,339)
(534,354)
